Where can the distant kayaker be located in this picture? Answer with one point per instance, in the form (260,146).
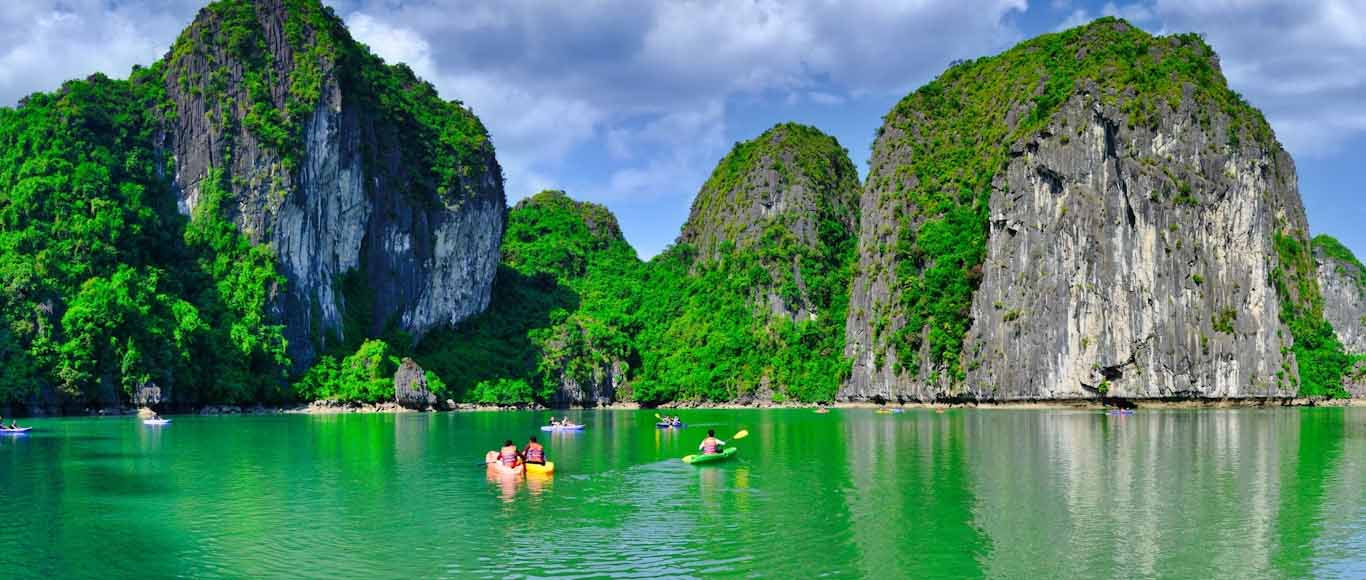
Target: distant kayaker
(534,453)
(508,455)
(711,445)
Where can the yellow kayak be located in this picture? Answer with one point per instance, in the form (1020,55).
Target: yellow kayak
(537,469)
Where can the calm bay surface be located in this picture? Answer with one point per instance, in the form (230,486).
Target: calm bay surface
(968,493)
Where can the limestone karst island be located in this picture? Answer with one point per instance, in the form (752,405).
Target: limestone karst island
(658,289)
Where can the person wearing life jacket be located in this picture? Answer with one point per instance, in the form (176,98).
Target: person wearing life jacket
(508,456)
(534,452)
(711,445)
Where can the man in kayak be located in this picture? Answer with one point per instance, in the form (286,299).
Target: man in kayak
(534,453)
(711,445)
(508,455)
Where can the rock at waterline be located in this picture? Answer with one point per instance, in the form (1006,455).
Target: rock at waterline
(410,386)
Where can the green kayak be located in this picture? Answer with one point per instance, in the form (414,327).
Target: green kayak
(704,458)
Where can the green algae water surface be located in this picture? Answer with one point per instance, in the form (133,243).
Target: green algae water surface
(990,493)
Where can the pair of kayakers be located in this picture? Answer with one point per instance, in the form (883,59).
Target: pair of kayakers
(674,421)
(711,445)
(565,422)
(510,457)
(13,425)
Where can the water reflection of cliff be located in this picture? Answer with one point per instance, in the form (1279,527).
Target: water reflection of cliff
(913,470)
(1156,494)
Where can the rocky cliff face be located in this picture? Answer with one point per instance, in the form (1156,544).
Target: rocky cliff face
(787,196)
(1343,280)
(350,170)
(1090,214)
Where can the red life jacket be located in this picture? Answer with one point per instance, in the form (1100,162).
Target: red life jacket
(535,455)
(509,458)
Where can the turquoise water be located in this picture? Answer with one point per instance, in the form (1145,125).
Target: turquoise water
(994,493)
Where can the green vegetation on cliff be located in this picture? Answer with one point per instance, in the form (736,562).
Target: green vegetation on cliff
(753,298)
(1319,354)
(442,141)
(960,128)
(572,305)
(562,308)
(106,287)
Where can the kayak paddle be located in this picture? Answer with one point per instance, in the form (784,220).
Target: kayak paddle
(742,434)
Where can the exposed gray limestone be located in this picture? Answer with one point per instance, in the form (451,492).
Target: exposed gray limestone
(1121,261)
(1344,300)
(351,203)
(410,387)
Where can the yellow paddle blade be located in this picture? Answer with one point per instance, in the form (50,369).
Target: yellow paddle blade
(741,435)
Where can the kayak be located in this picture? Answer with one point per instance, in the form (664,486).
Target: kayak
(495,466)
(562,428)
(1120,412)
(537,469)
(156,421)
(19,431)
(725,454)
(671,425)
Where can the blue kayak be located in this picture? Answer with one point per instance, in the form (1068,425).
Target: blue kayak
(562,428)
(670,425)
(19,431)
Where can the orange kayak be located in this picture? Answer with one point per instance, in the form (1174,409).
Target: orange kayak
(496,466)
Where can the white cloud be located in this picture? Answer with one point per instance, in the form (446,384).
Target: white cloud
(1299,61)
(686,145)
(644,83)
(824,98)
(44,43)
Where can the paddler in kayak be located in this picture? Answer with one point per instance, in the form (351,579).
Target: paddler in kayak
(711,445)
(508,455)
(534,452)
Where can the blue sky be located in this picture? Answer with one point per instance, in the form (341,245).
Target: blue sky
(631,103)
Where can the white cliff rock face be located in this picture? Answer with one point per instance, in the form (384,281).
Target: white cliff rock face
(1344,300)
(1133,263)
(351,205)
(319,230)
(1121,262)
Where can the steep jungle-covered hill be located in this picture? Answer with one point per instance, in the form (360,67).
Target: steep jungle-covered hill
(750,303)
(560,329)
(268,191)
